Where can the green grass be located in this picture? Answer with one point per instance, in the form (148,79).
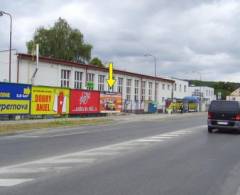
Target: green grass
(14,128)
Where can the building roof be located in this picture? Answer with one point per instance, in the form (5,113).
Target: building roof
(236,92)
(89,67)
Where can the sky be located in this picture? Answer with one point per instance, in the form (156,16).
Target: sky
(191,39)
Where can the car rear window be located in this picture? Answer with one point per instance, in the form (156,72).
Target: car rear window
(224,106)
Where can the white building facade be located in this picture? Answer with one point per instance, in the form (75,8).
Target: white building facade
(137,90)
(206,93)
(180,89)
(234,96)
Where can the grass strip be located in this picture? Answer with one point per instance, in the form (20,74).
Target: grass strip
(14,128)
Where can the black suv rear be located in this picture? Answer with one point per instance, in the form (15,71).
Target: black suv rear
(224,115)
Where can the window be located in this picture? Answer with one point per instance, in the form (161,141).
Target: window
(65,77)
(180,88)
(90,77)
(78,80)
(136,90)
(163,99)
(163,86)
(129,85)
(120,85)
(196,92)
(110,89)
(90,81)
(175,87)
(101,82)
(185,88)
(168,87)
(150,90)
(143,92)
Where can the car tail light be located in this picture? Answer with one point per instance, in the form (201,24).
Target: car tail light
(210,115)
(237,117)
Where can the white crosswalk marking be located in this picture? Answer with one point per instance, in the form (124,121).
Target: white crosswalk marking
(167,135)
(69,160)
(20,173)
(164,137)
(150,140)
(12,182)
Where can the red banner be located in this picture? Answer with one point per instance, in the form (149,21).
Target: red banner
(84,102)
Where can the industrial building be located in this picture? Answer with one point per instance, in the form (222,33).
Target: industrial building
(137,89)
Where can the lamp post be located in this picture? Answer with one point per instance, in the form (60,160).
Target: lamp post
(155,73)
(10,43)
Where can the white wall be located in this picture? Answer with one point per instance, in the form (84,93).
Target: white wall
(165,92)
(178,89)
(47,74)
(233,98)
(207,92)
(4,66)
(50,74)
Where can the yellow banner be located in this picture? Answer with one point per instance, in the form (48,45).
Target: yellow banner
(14,106)
(49,101)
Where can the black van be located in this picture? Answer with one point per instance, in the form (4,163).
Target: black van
(224,115)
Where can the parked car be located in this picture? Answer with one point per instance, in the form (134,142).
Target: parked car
(224,115)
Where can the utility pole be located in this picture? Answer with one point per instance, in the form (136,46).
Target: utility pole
(10,44)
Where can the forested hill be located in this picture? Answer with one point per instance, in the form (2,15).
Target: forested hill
(226,88)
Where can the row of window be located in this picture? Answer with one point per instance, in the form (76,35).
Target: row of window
(78,84)
(199,92)
(180,88)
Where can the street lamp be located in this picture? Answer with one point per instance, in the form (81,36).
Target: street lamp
(155,73)
(10,43)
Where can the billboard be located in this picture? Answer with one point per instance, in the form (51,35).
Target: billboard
(110,102)
(14,98)
(84,102)
(49,100)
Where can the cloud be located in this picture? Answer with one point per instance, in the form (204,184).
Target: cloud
(185,36)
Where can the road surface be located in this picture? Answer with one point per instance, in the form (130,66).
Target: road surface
(151,157)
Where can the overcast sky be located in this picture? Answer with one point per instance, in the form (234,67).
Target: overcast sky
(188,37)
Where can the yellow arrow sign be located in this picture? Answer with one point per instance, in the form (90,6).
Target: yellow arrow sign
(110,80)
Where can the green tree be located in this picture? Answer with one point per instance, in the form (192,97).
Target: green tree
(62,42)
(96,61)
(226,88)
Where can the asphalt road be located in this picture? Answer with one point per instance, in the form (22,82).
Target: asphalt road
(162,157)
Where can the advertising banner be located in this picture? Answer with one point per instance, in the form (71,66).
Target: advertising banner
(84,102)
(110,102)
(14,98)
(49,100)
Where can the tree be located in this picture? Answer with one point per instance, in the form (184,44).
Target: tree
(62,42)
(96,61)
(225,88)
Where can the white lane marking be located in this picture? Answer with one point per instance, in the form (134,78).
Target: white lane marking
(180,133)
(32,170)
(24,170)
(69,161)
(102,149)
(167,135)
(94,154)
(12,182)
(170,135)
(185,131)
(52,163)
(150,140)
(163,137)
